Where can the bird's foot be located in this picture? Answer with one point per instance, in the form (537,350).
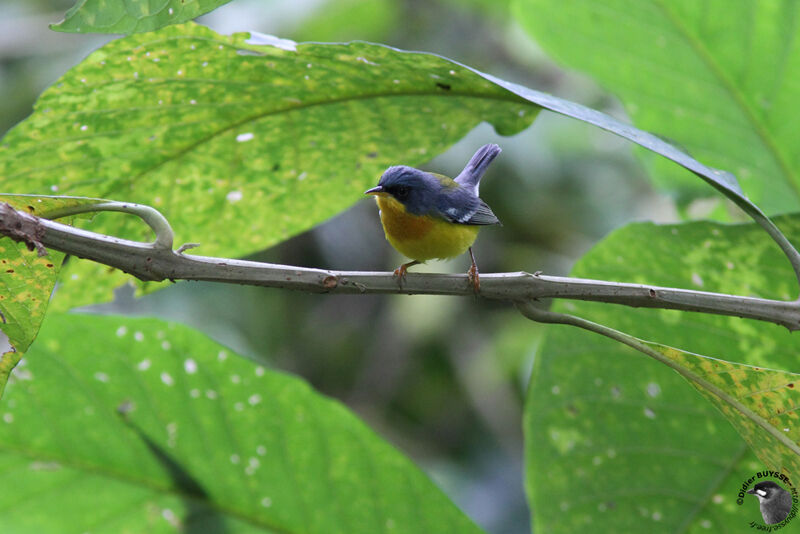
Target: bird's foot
(474,278)
(400,272)
(473,275)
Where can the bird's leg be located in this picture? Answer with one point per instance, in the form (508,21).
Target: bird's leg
(400,272)
(473,273)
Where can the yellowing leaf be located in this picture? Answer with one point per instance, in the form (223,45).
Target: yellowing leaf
(26,280)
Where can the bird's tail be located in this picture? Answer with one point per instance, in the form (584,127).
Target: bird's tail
(472,173)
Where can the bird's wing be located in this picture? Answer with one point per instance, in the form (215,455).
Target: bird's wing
(462,208)
(483,215)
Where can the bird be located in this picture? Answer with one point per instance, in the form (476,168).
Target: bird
(429,216)
(774,501)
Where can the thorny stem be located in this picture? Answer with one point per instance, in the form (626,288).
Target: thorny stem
(157,261)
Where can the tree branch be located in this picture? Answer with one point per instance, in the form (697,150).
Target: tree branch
(155,262)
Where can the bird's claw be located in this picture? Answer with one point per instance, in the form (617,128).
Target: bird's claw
(474,278)
(473,273)
(400,272)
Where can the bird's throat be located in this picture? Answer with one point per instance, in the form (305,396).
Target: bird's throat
(399,223)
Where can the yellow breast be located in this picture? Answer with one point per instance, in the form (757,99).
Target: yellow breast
(423,238)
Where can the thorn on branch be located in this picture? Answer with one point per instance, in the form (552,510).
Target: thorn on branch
(186,246)
(22,227)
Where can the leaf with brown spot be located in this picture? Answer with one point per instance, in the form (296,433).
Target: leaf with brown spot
(28,280)
(761,404)
(644,435)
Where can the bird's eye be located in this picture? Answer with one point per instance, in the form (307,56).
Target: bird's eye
(401,192)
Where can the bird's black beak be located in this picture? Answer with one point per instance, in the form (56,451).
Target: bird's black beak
(377,190)
(751,491)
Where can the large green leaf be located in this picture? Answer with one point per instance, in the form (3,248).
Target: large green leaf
(152,426)
(27,280)
(256,142)
(718,76)
(760,403)
(241,145)
(623,442)
(131,16)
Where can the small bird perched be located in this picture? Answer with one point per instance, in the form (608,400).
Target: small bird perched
(430,216)
(774,501)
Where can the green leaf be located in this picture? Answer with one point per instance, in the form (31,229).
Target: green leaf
(26,280)
(131,16)
(624,442)
(152,426)
(760,403)
(241,146)
(254,143)
(720,77)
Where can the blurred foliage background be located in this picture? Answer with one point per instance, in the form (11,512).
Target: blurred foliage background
(441,378)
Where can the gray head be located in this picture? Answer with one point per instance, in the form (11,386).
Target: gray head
(415,189)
